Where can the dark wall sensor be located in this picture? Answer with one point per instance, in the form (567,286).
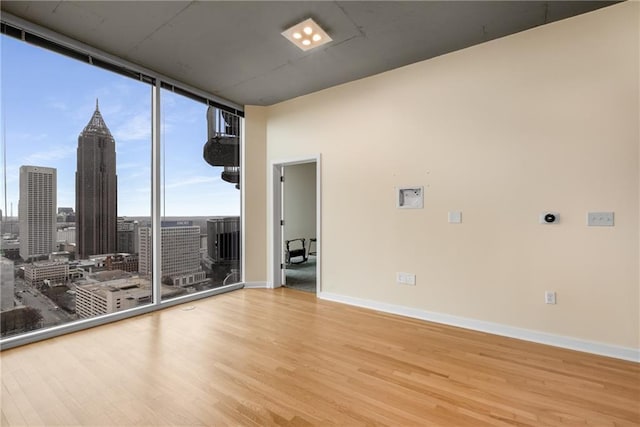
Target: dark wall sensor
(549,217)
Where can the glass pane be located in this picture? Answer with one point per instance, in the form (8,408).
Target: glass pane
(77,177)
(200,198)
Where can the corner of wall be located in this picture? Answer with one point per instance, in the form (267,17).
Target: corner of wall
(255,194)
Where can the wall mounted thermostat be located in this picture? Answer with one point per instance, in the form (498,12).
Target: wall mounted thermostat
(410,197)
(549,218)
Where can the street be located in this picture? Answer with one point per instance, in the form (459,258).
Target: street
(51,314)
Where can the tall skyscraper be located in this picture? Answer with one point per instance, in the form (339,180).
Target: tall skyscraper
(37,211)
(96,189)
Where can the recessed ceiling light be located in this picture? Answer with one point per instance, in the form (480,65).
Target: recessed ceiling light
(307,35)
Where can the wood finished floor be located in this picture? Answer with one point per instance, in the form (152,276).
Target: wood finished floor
(261,357)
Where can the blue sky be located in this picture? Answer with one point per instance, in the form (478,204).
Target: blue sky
(47,99)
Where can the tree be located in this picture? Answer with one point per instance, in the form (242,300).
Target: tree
(8,320)
(167,280)
(32,318)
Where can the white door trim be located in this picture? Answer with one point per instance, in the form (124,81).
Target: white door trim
(275,206)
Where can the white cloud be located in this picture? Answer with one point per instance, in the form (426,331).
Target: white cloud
(14,138)
(192,181)
(13,173)
(58,105)
(135,128)
(138,172)
(124,166)
(51,154)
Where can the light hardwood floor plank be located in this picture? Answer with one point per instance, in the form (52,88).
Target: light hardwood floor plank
(258,357)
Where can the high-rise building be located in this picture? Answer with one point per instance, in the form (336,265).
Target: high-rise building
(66,235)
(145,250)
(96,189)
(7,284)
(180,249)
(65,211)
(126,235)
(66,215)
(37,211)
(223,240)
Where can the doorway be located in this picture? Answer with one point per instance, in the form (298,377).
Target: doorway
(296,224)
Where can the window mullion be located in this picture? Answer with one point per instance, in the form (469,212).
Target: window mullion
(156,186)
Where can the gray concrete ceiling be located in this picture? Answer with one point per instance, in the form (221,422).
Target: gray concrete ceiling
(234,48)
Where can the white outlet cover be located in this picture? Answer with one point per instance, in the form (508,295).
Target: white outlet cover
(600,219)
(455,217)
(406,279)
(550,297)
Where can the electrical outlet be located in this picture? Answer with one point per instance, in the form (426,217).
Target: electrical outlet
(600,219)
(549,297)
(406,279)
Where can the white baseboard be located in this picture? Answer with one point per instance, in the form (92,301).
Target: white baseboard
(256,285)
(602,349)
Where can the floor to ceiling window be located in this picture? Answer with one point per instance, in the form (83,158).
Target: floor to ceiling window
(73,134)
(78,191)
(200,196)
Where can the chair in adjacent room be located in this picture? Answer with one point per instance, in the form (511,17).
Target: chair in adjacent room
(295,248)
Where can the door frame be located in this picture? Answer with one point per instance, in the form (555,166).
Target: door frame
(276,254)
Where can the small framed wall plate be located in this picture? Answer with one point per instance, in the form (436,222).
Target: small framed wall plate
(410,197)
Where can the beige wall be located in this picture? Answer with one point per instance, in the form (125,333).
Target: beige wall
(546,119)
(300,202)
(254,195)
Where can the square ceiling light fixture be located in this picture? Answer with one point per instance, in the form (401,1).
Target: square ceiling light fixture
(307,35)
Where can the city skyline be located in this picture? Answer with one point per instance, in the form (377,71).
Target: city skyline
(96,180)
(46,107)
